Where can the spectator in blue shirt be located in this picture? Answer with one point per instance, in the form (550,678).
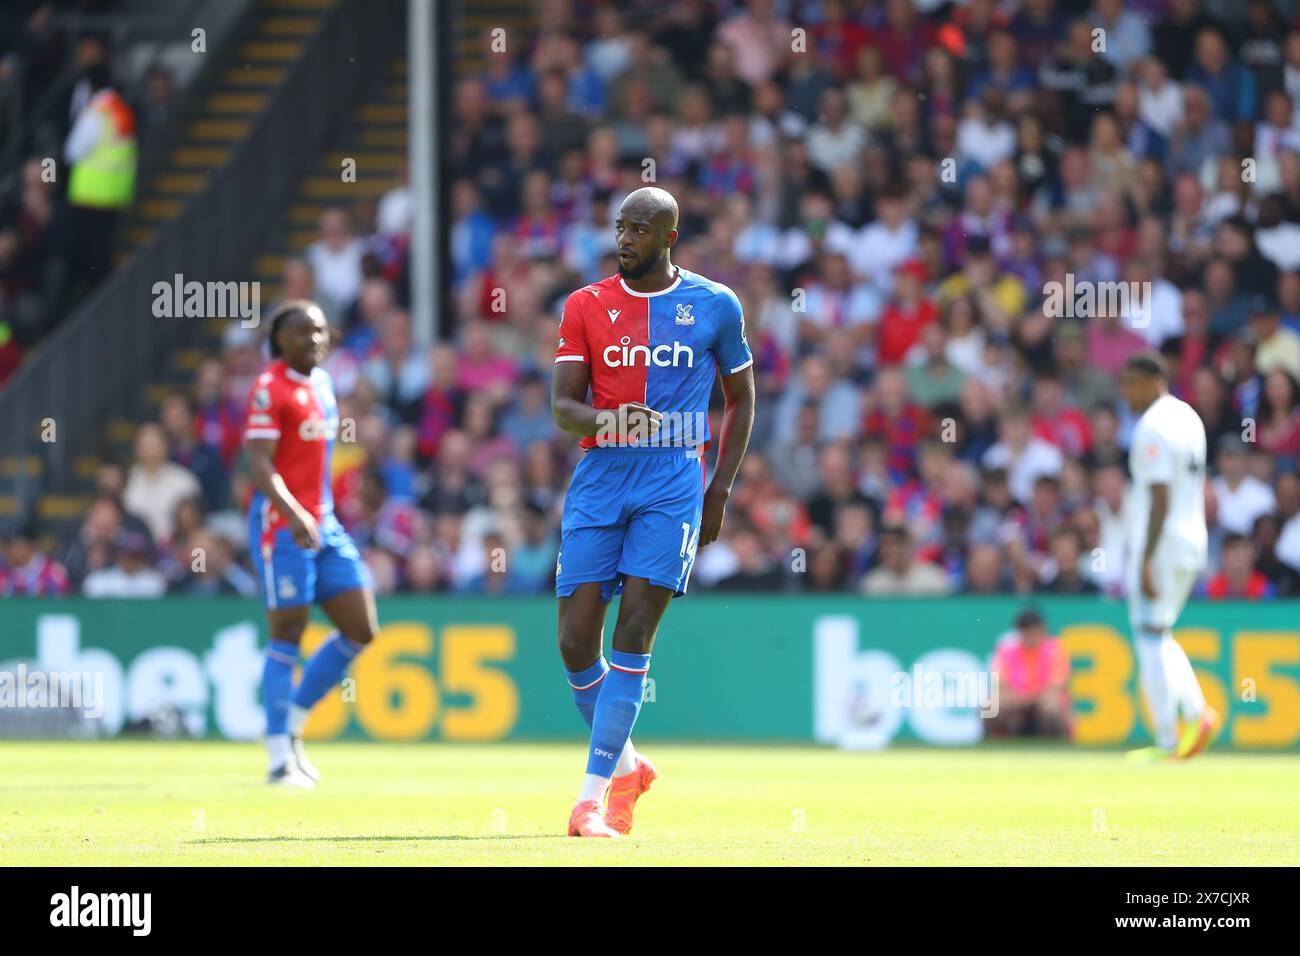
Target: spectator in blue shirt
(1231,86)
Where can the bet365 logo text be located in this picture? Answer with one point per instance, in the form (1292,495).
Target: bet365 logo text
(413,682)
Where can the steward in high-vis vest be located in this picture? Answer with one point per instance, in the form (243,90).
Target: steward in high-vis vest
(101,149)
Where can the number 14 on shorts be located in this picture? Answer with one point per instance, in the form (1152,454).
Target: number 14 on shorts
(689,541)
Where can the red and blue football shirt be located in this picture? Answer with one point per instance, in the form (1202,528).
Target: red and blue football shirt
(658,348)
(300,412)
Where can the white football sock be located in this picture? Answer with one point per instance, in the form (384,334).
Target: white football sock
(593,787)
(277,747)
(626,760)
(1155,687)
(1184,688)
(297,719)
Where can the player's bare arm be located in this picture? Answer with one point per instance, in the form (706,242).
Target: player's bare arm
(1155,525)
(573,414)
(261,462)
(737,423)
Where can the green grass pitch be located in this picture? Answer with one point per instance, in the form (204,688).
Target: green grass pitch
(201,803)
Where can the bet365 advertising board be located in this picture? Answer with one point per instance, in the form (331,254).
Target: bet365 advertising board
(843,671)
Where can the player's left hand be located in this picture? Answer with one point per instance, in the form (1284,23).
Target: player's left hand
(1148,579)
(715,508)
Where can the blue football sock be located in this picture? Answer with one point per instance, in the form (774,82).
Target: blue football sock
(586,688)
(325,669)
(616,710)
(277,685)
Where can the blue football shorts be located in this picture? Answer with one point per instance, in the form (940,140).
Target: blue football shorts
(631,512)
(293,576)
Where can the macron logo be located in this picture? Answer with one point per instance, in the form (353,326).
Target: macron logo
(614,314)
(132,910)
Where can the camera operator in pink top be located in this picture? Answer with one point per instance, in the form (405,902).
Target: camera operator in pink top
(1033,670)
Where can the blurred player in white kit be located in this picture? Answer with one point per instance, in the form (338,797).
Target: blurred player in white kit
(1167,550)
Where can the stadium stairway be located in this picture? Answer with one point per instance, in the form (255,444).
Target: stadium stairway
(274,39)
(377,141)
(254,66)
(476,19)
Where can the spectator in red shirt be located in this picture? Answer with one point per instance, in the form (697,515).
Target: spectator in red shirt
(539,231)
(770,508)
(1239,580)
(919,503)
(896,421)
(1028,531)
(440,408)
(502,289)
(1279,414)
(906,315)
(1056,421)
(218,421)
(837,39)
(904,39)
(1197,348)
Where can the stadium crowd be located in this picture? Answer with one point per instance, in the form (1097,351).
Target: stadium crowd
(891,189)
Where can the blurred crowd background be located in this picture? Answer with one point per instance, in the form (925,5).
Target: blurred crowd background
(889,192)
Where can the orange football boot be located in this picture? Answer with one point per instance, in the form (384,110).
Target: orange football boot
(623,794)
(586,820)
(1195,739)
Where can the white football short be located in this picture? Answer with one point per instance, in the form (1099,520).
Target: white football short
(1173,583)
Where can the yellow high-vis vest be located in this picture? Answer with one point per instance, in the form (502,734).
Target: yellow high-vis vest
(105,177)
